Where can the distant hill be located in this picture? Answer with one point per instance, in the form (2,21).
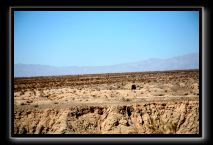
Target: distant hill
(189,61)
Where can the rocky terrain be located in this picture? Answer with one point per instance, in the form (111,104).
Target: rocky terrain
(117,103)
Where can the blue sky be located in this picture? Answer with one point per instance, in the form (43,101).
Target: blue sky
(98,38)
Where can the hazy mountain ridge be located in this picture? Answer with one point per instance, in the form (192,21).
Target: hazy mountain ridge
(189,61)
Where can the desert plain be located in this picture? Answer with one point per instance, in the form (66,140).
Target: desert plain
(115,103)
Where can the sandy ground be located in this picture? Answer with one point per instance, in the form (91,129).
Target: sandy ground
(162,103)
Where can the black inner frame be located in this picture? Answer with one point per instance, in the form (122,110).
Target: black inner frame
(106,9)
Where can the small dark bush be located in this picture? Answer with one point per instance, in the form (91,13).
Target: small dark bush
(133,87)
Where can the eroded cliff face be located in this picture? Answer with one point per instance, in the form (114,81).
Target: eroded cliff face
(166,117)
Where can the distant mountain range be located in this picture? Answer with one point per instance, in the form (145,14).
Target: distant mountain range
(189,61)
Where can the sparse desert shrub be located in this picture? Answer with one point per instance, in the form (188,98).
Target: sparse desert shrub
(23,103)
(23,131)
(164,104)
(133,87)
(46,96)
(160,94)
(29,101)
(125,99)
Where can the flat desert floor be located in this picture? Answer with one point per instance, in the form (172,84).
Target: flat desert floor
(119,103)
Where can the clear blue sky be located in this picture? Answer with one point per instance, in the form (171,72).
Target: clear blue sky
(97,38)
